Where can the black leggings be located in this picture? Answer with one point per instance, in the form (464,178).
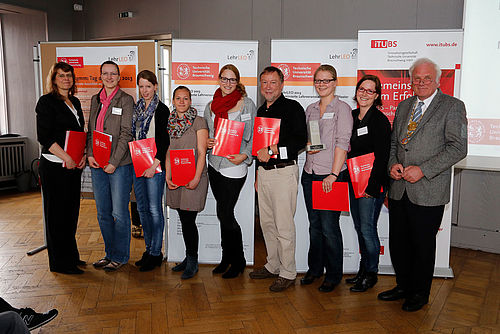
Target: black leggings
(189,231)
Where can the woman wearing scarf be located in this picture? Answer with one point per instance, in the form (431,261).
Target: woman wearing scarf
(187,131)
(227,175)
(111,112)
(150,121)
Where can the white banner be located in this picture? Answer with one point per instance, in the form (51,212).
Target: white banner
(298,59)
(196,64)
(389,55)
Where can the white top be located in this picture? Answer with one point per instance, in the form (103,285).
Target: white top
(427,102)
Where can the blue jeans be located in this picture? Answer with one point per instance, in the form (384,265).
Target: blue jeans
(326,249)
(112,195)
(148,194)
(365,213)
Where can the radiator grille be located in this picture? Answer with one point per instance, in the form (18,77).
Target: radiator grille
(12,156)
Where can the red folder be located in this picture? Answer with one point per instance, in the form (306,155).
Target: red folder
(143,155)
(335,200)
(182,166)
(101,147)
(266,132)
(74,145)
(228,137)
(360,169)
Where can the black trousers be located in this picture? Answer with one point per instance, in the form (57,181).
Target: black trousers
(61,200)
(412,243)
(226,192)
(189,231)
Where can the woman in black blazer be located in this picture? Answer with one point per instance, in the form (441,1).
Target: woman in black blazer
(57,112)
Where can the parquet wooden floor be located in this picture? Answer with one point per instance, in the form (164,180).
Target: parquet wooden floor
(129,301)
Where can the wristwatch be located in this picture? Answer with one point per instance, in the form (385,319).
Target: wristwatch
(269,151)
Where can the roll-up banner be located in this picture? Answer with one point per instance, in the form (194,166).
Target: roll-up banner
(298,59)
(389,55)
(196,64)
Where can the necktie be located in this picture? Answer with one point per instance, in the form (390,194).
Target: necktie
(415,118)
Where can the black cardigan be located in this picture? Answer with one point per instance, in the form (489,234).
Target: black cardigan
(378,141)
(54,118)
(162,139)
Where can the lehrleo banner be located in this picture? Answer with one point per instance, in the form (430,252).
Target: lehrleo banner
(87,62)
(196,64)
(298,60)
(389,55)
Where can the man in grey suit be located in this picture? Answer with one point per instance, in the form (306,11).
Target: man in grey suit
(429,136)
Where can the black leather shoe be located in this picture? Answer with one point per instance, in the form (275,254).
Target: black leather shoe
(235,269)
(222,266)
(142,260)
(358,277)
(414,303)
(81,263)
(327,286)
(151,262)
(308,278)
(393,294)
(367,282)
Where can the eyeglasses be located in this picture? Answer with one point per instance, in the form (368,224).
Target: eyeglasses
(67,75)
(425,81)
(232,81)
(324,81)
(367,91)
(106,74)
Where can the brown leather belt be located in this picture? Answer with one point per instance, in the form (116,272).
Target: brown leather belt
(280,165)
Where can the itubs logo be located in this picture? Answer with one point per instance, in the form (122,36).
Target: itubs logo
(177,161)
(286,70)
(383,44)
(183,71)
(248,56)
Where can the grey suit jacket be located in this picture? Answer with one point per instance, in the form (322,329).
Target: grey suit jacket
(118,126)
(439,142)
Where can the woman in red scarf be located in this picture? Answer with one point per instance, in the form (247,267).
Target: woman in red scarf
(227,175)
(111,113)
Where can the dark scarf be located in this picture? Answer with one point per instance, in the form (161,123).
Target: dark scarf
(144,116)
(222,104)
(178,125)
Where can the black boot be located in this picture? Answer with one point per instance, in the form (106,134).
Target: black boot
(238,262)
(143,259)
(180,266)
(367,282)
(223,265)
(191,267)
(358,277)
(152,262)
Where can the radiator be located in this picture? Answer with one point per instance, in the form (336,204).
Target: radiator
(12,157)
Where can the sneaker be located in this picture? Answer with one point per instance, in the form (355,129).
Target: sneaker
(34,320)
(261,273)
(102,262)
(281,284)
(113,266)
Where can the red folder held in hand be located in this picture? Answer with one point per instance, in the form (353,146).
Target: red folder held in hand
(101,147)
(228,136)
(335,200)
(74,145)
(182,166)
(360,169)
(266,132)
(143,155)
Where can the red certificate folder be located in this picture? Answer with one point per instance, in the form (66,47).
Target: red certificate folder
(74,145)
(101,147)
(228,137)
(182,166)
(266,132)
(335,200)
(360,169)
(143,155)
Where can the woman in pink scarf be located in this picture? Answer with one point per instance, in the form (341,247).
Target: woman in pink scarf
(111,113)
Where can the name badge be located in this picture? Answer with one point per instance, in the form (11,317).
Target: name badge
(283,152)
(363,131)
(245,117)
(116,111)
(328,115)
